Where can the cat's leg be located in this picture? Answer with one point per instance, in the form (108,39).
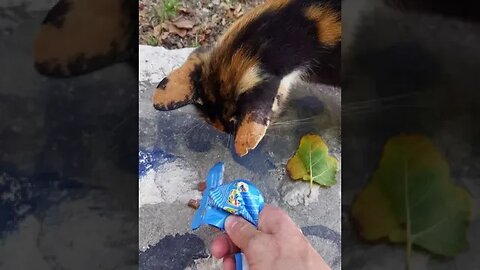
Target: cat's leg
(257,106)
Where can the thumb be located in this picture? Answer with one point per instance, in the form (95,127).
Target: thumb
(240,231)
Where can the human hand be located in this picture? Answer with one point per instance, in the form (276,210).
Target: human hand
(277,244)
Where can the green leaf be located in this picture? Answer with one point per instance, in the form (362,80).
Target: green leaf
(312,162)
(412,200)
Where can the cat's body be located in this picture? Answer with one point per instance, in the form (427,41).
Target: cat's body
(243,81)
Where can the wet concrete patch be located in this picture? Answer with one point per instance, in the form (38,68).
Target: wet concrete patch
(308,106)
(200,140)
(256,160)
(173,253)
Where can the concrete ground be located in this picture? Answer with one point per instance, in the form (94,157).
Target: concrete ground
(177,148)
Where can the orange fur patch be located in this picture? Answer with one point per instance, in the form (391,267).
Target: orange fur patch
(250,78)
(329,26)
(89,29)
(239,74)
(179,87)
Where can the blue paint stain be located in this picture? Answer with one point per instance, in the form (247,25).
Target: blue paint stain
(25,195)
(152,159)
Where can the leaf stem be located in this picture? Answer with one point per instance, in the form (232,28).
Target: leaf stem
(311,168)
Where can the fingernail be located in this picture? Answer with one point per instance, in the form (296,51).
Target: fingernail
(230,222)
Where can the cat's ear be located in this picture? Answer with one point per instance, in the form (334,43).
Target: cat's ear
(79,36)
(178,88)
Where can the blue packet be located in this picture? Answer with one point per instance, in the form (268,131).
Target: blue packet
(239,197)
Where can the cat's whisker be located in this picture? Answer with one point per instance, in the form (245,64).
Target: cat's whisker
(295,121)
(290,125)
(192,128)
(228,142)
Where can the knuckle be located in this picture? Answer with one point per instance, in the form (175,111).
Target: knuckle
(241,227)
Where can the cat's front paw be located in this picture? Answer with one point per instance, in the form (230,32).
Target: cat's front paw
(248,135)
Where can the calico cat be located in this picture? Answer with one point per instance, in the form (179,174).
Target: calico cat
(242,82)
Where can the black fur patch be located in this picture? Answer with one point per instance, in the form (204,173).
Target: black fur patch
(172,105)
(81,64)
(162,83)
(56,16)
(258,102)
(195,79)
(285,39)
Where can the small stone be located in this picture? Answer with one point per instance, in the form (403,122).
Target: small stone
(201,186)
(195,204)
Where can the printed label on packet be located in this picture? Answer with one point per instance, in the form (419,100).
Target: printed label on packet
(239,197)
(233,198)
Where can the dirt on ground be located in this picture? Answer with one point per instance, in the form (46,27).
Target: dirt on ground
(176,24)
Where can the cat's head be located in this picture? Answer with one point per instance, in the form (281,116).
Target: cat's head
(192,83)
